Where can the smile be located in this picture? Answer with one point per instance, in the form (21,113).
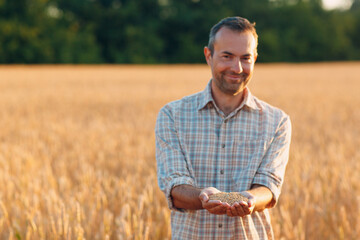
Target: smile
(234,77)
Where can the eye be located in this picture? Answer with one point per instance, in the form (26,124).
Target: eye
(246,59)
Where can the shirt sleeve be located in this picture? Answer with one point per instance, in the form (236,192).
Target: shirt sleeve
(172,166)
(272,168)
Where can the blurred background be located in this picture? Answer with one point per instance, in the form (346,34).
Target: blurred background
(77,146)
(172,31)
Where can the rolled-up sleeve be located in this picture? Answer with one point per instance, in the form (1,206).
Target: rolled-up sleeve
(172,167)
(272,168)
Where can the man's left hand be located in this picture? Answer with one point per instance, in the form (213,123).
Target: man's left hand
(242,208)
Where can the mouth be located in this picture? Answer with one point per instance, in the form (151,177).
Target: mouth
(235,77)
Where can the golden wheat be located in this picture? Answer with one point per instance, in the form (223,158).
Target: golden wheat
(77,149)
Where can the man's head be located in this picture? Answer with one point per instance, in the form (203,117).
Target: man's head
(237,24)
(231,54)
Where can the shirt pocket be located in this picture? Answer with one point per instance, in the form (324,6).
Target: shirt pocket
(246,158)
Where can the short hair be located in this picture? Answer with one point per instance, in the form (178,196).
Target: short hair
(237,24)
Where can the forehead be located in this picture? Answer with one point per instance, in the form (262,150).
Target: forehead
(238,43)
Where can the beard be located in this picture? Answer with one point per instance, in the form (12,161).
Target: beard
(231,86)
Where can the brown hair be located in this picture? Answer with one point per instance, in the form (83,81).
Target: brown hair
(238,24)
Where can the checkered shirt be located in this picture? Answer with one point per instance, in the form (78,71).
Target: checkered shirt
(196,144)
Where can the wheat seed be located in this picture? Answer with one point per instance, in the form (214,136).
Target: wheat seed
(230,198)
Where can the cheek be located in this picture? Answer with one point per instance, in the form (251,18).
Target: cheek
(222,66)
(217,68)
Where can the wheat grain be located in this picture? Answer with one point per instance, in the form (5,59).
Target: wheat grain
(230,198)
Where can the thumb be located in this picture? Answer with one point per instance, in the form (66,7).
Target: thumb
(251,202)
(203,197)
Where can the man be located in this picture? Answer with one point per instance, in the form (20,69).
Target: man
(223,139)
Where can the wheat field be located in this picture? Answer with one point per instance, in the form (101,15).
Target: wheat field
(77,151)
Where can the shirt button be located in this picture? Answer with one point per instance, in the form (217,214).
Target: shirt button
(220,225)
(223,145)
(221,171)
(225,121)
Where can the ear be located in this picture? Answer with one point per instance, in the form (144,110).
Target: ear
(207,54)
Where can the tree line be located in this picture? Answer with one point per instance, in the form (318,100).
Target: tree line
(170,31)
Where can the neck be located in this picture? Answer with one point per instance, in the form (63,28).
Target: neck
(226,102)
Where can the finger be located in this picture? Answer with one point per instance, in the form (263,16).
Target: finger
(251,202)
(240,210)
(226,205)
(214,202)
(228,210)
(251,209)
(229,213)
(210,190)
(245,207)
(243,203)
(233,210)
(211,204)
(218,210)
(246,210)
(203,197)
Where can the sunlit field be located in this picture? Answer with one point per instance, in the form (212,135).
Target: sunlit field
(77,151)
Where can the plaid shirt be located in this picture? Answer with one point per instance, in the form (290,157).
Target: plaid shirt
(196,144)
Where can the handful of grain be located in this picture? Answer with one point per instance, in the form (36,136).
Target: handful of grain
(229,198)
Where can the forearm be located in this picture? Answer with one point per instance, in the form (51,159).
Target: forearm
(186,197)
(262,195)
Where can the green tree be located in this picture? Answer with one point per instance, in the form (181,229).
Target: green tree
(30,32)
(169,31)
(125,31)
(304,31)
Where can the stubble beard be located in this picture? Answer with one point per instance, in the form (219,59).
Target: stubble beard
(231,88)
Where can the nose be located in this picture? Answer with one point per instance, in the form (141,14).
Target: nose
(236,66)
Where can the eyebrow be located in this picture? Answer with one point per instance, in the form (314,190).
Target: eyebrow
(230,53)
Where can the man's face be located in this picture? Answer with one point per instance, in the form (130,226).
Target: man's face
(232,61)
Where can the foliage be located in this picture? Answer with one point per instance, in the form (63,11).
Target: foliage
(169,31)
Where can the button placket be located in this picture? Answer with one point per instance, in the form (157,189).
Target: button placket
(223,129)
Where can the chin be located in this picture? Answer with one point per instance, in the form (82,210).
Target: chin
(238,89)
(232,91)
(231,87)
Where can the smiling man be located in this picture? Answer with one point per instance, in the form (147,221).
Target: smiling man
(223,139)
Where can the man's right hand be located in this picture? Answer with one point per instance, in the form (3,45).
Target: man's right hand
(213,206)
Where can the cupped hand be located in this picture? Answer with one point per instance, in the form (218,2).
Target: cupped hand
(212,206)
(242,208)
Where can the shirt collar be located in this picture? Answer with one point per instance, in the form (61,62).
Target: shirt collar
(249,100)
(206,97)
